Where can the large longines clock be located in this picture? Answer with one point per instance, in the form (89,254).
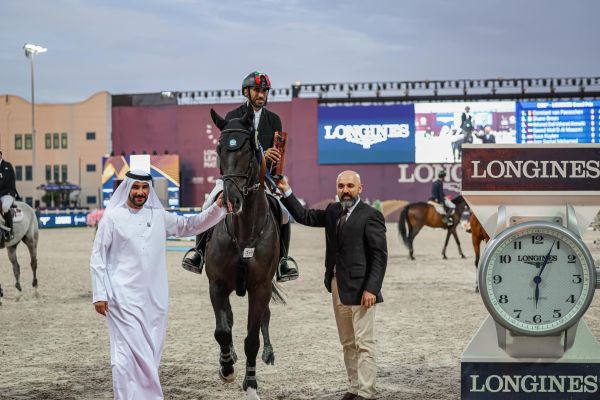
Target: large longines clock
(537,278)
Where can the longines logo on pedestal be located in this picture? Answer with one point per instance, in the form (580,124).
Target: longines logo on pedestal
(531,168)
(516,381)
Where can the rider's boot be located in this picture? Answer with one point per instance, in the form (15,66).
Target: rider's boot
(195,263)
(448,219)
(287,269)
(8,218)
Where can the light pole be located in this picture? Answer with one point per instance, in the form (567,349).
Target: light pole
(30,51)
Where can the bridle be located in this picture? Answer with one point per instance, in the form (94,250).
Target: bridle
(248,187)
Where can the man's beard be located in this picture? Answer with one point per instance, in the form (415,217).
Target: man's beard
(347,203)
(133,198)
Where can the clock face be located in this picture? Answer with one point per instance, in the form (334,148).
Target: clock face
(537,278)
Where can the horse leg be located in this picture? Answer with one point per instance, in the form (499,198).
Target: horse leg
(219,296)
(268,355)
(448,233)
(31,244)
(12,256)
(258,301)
(462,255)
(229,312)
(411,237)
(476,243)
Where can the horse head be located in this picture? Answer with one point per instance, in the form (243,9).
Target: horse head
(238,157)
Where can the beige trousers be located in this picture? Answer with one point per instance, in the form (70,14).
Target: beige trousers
(355,328)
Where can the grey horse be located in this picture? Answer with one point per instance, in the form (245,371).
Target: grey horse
(25,230)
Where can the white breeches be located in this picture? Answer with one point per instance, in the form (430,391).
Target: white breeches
(7,201)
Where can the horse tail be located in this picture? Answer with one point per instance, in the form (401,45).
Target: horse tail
(277,294)
(402,225)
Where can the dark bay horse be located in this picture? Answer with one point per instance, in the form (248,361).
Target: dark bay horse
(417,215)
(478,235)
(243,252)
(26,231)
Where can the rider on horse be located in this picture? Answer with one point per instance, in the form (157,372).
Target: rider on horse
(8,192)
(438,197)
(255,87)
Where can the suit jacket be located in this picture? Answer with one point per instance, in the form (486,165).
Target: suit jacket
(466,123)
(359,255)
(437,191)
(267,126)
(7,179)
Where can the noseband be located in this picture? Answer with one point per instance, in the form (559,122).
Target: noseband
(232,145)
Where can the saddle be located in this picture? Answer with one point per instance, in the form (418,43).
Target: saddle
(17,216)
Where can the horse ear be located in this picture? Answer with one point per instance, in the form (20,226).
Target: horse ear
(248,117)
(217,119)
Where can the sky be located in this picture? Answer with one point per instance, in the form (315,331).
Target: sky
(144,46)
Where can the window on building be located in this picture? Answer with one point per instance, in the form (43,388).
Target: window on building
(48,173)
(48,140)
(56,174)
(90,136)
(28,141)
(18,172)
(29,201)
(90,167)
(63,173)
(63,140)
(91,199)
(18,141)
(28,173)
(55,141)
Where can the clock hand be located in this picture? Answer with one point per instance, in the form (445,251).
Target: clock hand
(546,259)
(538,278)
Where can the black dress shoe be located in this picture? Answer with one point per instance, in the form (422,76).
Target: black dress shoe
(349,396)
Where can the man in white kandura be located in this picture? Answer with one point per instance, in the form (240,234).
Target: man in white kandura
(129,280)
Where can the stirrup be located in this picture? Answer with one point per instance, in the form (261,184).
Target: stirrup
(187,264)
(288,277)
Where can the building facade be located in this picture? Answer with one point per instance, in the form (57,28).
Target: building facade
(70,141)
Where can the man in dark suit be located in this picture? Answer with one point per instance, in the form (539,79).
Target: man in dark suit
(8,192)
(355,264)
(255,87)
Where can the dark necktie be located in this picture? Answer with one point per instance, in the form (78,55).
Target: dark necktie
(342,221)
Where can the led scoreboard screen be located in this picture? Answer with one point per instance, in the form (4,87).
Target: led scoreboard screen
(558,122)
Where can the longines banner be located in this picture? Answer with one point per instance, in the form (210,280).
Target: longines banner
(514,381)
(527,167)
(366,134)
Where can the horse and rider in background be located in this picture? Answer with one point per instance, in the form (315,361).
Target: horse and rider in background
(18,223)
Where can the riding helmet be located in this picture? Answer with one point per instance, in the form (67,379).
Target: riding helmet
(256,79)
(441,174)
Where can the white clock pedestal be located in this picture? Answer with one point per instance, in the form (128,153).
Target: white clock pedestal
(488,372)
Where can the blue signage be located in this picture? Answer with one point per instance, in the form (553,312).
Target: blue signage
(366,134)
(558,121)
(62,219)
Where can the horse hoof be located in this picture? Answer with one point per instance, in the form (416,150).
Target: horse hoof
(18,286)
(462,256)
(227,378)
(268,355)
(34,284)
(251,394)
(445,258)
(476,289)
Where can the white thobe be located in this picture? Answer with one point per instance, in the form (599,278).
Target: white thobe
(128,266)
